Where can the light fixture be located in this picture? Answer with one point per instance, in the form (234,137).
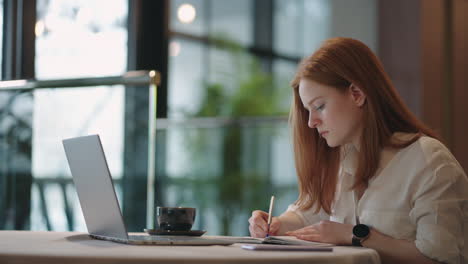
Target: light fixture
(186,13)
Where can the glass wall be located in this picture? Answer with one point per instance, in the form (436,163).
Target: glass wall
(301,25)
(75,39)
(217,72)
(211,40)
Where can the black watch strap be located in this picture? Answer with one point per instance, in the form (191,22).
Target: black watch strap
(356,242)
(360,233)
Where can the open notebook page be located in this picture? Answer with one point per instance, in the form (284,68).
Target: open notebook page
(277,240)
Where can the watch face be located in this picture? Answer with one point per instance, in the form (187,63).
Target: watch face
(361,230)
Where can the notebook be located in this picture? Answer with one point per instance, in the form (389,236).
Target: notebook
(270,247)
(276,240)
(290,240)
(99,202)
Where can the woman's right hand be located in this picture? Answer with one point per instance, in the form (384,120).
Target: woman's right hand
(258,224)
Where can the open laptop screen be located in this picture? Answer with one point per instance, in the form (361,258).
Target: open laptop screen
(94,186)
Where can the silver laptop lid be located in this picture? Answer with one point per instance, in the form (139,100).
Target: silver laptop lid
(94,186)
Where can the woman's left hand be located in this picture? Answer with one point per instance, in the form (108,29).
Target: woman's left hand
(325,232)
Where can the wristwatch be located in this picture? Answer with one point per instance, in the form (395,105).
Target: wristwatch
(360,233)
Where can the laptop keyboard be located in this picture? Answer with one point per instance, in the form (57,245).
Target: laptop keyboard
(165,240)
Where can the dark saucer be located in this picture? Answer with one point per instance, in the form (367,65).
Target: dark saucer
(161,232)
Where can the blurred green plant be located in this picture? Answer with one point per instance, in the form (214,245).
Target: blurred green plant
(255,92)
(246,91)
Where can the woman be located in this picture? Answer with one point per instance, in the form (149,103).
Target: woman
(370,174)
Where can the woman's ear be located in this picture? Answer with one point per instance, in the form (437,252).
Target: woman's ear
(357,95)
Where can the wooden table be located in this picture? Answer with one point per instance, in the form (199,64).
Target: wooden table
(74,247)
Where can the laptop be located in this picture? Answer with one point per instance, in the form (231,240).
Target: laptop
(99,202)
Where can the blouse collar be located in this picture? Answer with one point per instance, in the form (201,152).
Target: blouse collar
(349,153)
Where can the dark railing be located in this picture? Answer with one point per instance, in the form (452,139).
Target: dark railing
(130,78)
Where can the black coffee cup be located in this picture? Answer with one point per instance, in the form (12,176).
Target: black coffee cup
(175,218)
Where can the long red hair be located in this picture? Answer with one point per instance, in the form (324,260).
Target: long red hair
(340,62)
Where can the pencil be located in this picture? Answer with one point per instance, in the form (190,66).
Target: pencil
(272,201)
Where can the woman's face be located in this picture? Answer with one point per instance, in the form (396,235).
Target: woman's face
(336,115)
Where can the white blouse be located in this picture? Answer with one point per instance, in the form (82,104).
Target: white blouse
(420,195)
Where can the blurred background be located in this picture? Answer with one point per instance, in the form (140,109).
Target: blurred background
(222,136)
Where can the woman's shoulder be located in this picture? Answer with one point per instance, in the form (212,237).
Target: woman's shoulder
(430,144)
(431,166)
(430,152)
(434,151)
